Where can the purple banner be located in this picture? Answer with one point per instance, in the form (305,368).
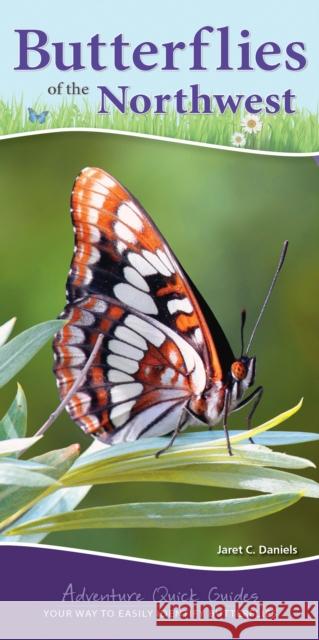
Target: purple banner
(42,573)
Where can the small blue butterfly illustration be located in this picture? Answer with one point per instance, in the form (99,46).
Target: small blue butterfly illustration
(37,117)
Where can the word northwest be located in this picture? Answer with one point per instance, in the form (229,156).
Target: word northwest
(212,50)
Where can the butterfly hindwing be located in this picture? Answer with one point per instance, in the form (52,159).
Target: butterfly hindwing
(126,283)
(140,377)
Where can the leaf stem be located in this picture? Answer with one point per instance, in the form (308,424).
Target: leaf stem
(76,385)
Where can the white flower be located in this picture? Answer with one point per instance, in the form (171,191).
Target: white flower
(251,124)
(238,140)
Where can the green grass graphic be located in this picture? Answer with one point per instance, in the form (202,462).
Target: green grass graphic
(298,132)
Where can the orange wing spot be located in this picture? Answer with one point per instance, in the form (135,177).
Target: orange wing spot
(89,303)
(75,315)
(105,325)
(97,376)
(115,313)
(173,354)
(105,422)
(62,353)
(94,425)
(85,232)
(80,273)
(152,366)
(149,237)
(186,322)
(66,379)
(63,336)
(147,400)
(79,405)
(105,224)
(90,424)
(102,397)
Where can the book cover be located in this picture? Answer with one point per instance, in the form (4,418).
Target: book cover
(159,317)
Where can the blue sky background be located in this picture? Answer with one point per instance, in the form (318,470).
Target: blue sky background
(77,20)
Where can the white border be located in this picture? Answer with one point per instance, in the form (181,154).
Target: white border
(196,567)
(133,134)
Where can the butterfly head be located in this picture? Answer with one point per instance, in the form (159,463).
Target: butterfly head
(243,372)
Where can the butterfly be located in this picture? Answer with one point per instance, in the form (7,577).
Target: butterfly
(37,117)
(164,362)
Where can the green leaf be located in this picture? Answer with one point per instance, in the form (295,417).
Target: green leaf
(188,448)
(106,466)
(230,476)
(172,515)
(269,438)
(5,330)
(20,350)
(60,460)
(32,465)
(13,499)
(270,424)
(61,501)
(21,473)
(237,472)
(15,445)
(14,423)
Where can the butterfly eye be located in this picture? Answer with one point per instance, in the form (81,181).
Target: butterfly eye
(239,370)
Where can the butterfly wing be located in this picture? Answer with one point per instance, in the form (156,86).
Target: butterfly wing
(32,115)
(126,283)
(42,116)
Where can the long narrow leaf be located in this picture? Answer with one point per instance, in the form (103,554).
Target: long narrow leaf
(13,498)
(172,515)
(5,330)
(14,355)
(61,501)
(17,473)
(268,438)
(233,477)
(14,445)
(14,423)
(191,442)
(103,467)
(270,424)
(225,474)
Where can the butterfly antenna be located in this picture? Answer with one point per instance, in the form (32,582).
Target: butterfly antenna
(270,290)
(242,328)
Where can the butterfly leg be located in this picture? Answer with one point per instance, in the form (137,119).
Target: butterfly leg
(256,395)
(225,418)
(174,435)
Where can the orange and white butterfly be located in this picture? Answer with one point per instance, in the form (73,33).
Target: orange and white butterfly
(164,362)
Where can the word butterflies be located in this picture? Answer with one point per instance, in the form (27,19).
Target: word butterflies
(37,117)
(164,361)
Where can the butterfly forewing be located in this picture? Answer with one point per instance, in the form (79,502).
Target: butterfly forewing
(126,283)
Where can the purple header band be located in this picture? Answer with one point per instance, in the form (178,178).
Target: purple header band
(38,573)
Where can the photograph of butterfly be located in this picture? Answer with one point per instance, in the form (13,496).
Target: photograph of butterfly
(37,117)
(164,363)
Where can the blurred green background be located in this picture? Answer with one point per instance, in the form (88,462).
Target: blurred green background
(225,215)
